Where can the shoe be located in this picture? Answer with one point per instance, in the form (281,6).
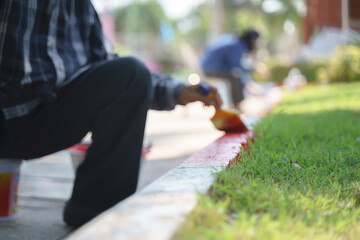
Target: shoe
(76,216)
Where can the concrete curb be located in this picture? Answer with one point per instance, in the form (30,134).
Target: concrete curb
(157,211)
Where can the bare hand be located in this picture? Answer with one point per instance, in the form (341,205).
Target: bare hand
(191,93)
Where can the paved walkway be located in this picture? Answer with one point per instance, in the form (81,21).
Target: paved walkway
(46,183)
(157,211)
(175,136)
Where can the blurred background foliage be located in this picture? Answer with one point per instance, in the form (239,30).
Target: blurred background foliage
(171,45)
(343,65)
(140,17)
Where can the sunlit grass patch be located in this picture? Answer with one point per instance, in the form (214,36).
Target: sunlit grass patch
(300,180)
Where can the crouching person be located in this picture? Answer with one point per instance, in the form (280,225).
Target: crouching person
(60,80)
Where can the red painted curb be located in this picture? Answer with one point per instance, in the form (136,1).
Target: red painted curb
(221,152)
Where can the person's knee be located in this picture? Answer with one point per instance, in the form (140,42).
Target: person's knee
(128,75)
(141,76)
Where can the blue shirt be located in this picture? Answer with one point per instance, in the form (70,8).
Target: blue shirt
(44,45)
(224,55)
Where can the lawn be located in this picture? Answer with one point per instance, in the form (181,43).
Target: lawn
(300,178)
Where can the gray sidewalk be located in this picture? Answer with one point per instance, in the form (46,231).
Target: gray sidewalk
(46,183)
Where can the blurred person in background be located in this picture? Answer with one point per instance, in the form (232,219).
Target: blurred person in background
(226,58)
(59,80)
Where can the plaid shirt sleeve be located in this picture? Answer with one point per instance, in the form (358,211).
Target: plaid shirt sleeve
(166,92)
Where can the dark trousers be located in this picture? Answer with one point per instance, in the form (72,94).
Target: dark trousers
(111,101)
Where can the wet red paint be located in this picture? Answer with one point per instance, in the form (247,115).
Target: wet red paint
(228,121)
(221,152)
(83,147)
(233,124)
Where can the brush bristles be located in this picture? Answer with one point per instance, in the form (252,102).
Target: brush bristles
(229,124)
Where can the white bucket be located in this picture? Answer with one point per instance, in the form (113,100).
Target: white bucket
(9,188)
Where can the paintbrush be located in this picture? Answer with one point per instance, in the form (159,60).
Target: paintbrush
(224,119)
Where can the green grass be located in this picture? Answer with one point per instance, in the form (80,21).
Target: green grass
(264,196)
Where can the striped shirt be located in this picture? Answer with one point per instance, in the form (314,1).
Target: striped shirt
(44,45)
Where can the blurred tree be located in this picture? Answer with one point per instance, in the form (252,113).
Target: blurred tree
(195,27)
(143,17)
(269,16)
(217,24)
